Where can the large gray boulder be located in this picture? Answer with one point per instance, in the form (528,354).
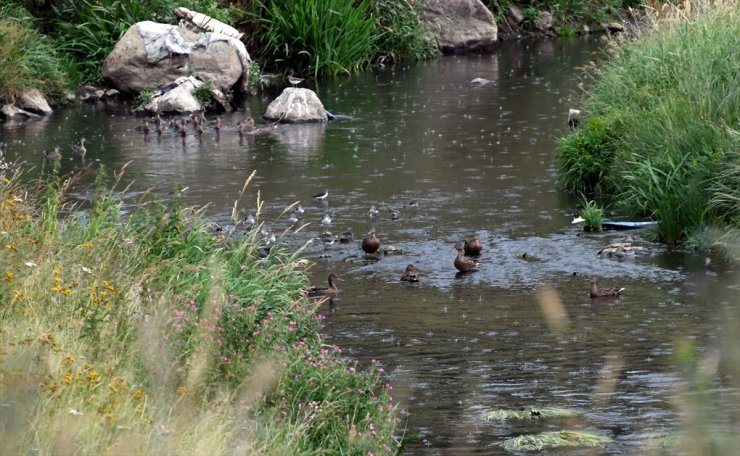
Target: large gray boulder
(151,55)
(459,25)
(180,99)
(296,105)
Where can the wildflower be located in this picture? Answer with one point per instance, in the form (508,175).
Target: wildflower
(138,394)
(181,391)
(69,359)
(87,270)
(67,378)
(6,181)
(30,264)
(17,294)
(87,245)
(9,276)
(10,247)
(147,420)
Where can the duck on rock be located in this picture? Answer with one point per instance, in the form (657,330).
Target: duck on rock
(370,244)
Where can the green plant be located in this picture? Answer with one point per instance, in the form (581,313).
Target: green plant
(531,16)
(256,77)
(144,97)
(317,37)
(203,92)
(29,59)
(567,30)
(592,214)
(399,32)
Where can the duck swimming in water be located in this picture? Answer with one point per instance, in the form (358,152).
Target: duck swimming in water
(331,290)
(463,263)
(597,292)
(472,245)
(411,274)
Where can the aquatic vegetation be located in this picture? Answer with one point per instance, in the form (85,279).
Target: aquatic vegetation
(529,414)
(592,215)
(548,440)
(669,103)
(140,332)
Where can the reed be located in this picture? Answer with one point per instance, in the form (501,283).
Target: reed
(145,333)
(669,101)
(29,59)
(317,37)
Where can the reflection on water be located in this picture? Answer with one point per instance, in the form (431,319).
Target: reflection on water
(472,158)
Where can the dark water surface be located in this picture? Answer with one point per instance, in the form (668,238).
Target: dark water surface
(472,158)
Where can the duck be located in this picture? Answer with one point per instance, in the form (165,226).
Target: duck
(472,245)
(411,274)
(597,292)
(463,263)
(51,157)
(331,290)
(370,244)
(79,149)
(299,211)
(373,212)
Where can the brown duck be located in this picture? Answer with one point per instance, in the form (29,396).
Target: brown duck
(597,292)
(331,290)
(472,245)
(411,274)
(370,244)
(463,263)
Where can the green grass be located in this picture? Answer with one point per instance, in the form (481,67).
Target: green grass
(663,143)
(29,59)
(317,37)
(148,334)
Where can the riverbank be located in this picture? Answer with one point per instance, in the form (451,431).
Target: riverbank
(152,332)
(660,137)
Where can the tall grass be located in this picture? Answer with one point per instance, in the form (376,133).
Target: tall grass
(671,101)
(317,37)
(399,32)
(29,59)
(145,334)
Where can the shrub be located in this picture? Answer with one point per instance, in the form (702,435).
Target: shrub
(399,32)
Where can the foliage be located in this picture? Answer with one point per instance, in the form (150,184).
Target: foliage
(29,59)
(399,32)
(144,97)
(203,92)
(584,158)
(666,146)
(146,334)
(318,37)
(256,77)
(592,214)
(547,440)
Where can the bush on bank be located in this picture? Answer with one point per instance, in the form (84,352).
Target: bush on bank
(145,334)
(662,139)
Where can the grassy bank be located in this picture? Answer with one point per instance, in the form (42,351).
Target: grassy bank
(145,334)
(661,140)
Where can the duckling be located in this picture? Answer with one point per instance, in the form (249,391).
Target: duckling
(597,292)
(217,127)
(79,149)
(463,263)
(250,124)
(240,129)
(411,274)
(51,157)
(370,244)
(472,245)
(145,128)
(331,290)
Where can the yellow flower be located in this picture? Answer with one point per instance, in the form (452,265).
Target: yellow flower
(66,292)
(87,245)
(57,280)
(9,276)
(6,181)
(10,247)
(138,394)
(69,358)
(181,390)
(67,378)
(147,420)
(17,294)
(57,271)
(107,285)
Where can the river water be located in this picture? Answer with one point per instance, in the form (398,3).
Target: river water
(441,158)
